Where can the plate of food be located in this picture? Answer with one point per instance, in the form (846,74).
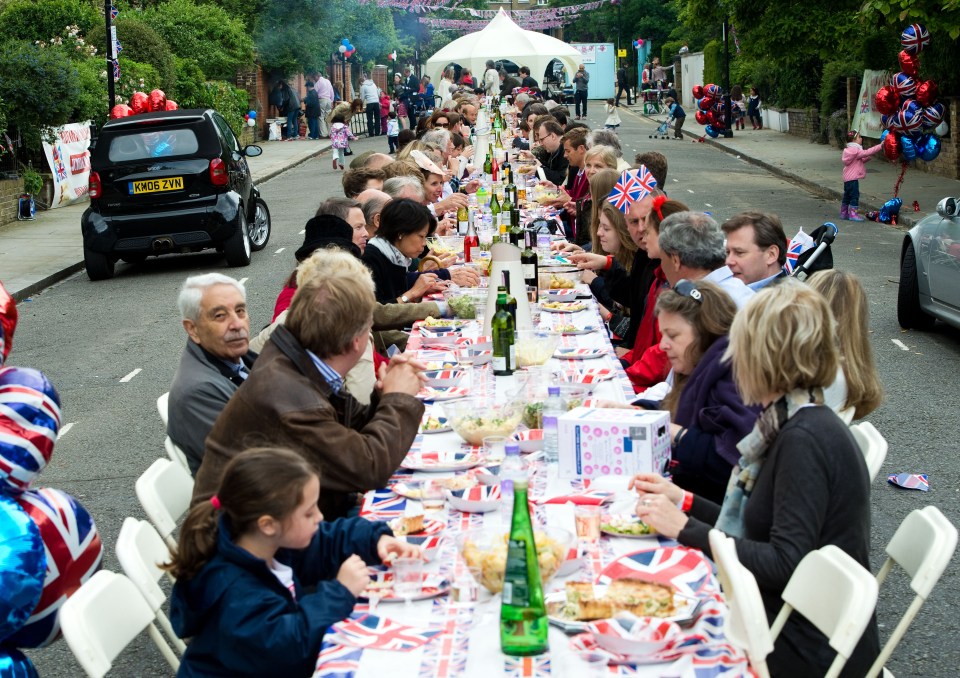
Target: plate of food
(580,603)
(435,425)
(626,525)
(417,524)
(437,394)
(588,377)
(571,330)
(686,570)
(563,306)
(579,353)
(440,324)
(437,462)
(562,294)
(381,587)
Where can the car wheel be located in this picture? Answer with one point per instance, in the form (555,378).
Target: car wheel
(237,248)
(260,228)
(909,314)
(134,258)
(99,266)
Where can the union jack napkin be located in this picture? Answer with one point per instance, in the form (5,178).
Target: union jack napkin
(379,633)
(910,481)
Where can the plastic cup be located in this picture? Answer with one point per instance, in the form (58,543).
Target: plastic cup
(588,522)
(432,496)
(407,577)
(494,447)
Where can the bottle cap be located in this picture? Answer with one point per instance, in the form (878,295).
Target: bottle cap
(512,449)
(553,390)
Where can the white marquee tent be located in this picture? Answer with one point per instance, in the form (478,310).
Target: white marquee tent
(504,39)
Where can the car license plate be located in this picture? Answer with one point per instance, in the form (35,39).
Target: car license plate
(156,185)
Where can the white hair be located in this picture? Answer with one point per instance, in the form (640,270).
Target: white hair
(191,294)
(394,186)
(439,137)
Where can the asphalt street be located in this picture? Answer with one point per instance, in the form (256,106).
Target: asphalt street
(89,338)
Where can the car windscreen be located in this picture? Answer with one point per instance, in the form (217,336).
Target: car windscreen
(152,144)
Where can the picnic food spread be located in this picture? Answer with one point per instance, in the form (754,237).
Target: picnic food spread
(586,602)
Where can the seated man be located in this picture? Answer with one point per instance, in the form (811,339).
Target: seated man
(356,181)
(216,360)
(756,248)
(296,396)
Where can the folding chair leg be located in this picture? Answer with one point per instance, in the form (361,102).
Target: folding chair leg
(898,633)
(164,622)
(161,644)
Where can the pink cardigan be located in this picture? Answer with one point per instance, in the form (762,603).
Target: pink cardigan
(854,160)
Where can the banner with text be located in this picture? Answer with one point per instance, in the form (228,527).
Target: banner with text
(866,117)
(68,154)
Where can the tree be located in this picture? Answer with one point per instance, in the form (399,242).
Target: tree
(937,15)
(141,44)
(34,20)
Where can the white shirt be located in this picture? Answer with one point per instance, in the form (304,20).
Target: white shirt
(284,574)
(739,292)
(491,82)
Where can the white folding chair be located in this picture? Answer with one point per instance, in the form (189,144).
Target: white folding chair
(923,546)
(746,625)
(162,406)
(102,617)
(872,444)
(846,415)
(836,594)
(141,551)
(164,491)
(176,453)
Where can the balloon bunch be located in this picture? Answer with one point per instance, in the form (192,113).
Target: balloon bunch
(888,213)
(908,106)
(710,109)
(49,544)
(346,49)
(251,119)
(144,103)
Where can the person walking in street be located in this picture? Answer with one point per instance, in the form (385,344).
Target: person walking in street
(623,84)
(753,108)
(854,159)
(491,80)
(312,111)
(325,93)
(370,94)
(340,137)
(580,81)
(737,106)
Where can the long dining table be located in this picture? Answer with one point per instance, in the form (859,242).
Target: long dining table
(446,635)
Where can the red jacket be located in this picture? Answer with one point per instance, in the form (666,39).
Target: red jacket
(647,364)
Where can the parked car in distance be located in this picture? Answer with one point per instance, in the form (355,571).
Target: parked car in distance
(171,182)
(930,270)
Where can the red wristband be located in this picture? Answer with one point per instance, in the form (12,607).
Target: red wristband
(609,263)
(687,503)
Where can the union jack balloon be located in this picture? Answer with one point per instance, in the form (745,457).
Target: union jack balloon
(914,38)
(909,118)
(932,115)
(905,85)
(29,423)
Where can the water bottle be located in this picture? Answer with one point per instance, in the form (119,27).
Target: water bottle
(553,408)
(511,468)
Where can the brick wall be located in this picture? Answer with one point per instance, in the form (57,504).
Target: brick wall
(947,163)
(804,122)
(10,190)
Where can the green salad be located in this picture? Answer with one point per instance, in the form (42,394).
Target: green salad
(463,307)
(627,525)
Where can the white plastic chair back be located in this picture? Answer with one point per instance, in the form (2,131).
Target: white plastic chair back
(846,415)
(923,546)
(746,625)
(102,617)
(164,491)
(175,453)
(872,444)
(140,551)
(836,594)
(162,406)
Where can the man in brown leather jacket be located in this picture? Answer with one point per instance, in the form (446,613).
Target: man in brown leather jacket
(295,398)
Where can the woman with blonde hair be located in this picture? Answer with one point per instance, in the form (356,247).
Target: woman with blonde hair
(599,158)
(857,385)
(801,482)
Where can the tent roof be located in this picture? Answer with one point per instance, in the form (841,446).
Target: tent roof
(502,38)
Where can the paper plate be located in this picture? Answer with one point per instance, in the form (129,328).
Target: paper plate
(430,393)
(590,376)
(381,584)
(444,425)
(579,353)
(430,526)
(589,329)
(563,307)
(687,608)
(686,570)
(435,462)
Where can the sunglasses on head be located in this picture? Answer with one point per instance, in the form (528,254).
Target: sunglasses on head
(689,289)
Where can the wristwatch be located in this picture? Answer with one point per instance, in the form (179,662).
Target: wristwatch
(404,299)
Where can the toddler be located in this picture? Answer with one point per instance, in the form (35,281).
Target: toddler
(340,137)
(854,159)
(393,131)
(677,114)
(613,116)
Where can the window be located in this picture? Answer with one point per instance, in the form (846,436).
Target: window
(152,144)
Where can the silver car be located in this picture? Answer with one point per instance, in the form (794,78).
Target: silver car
(930,270)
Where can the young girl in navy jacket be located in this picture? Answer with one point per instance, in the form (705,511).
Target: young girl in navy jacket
(243,557)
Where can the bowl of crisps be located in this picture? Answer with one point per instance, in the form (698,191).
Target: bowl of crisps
(535,347)
(485,553)
(444,245)
(473,419)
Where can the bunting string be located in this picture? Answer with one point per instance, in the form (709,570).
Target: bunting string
(547,14)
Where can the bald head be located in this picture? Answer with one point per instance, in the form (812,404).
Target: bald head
(377,161)
(372,202)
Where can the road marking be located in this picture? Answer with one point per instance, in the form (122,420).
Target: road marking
(676,181)
(689,191)
(280,250)
(706,203)
(243,281)
(302,231)
(900,345)
(131,376)
(66,427)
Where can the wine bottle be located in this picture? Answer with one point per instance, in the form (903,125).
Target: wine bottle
(495,210)
(511,299)
(516,230)
(471,242)
(488,168)
(463,216)
(523,614)
(529,263)
(501,329)
(495,171)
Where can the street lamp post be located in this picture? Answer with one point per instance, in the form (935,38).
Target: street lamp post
(728,129)
(111,46)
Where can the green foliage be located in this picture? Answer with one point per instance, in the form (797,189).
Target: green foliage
(141,44)
(32,180)
(91,101)
(242,10)
(669,50)
(833,85)
(713,63)
(40,87)
(940,62)
(137,77)
(33,20)
(939,16)
(204,33)
(231,102)
(879,49)
(190,81)
(836,128)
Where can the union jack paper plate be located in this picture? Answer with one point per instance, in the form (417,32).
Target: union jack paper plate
(381,586)
(579,354)
(686,570)
(430,526)
(588,376)
(439,393)
(440,461)
(563,307)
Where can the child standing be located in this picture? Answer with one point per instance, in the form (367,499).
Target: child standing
(385,107)
(854,160)
(243,556)
(753,108)
(393,131)
(613,116)
(678,115)
(340,138)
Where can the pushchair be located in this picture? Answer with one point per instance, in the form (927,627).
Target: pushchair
(805,259)
(663,129)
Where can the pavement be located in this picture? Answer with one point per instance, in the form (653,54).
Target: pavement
(36,254)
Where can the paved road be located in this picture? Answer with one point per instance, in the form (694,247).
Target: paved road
(89,336)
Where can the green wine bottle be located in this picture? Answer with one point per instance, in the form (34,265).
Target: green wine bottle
(487,167)
(523,614)
(501,327)
(495,211)
(529,263)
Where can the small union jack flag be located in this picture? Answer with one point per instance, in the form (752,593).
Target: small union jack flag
(910,481)
(382,504)
(337,661)
(914,38)
(379,633)
(116,69)
(633,185)
(114,12)
(527,667)
(800,243)
(117,47)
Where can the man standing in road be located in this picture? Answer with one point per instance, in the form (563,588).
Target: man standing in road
(370,94)
(325,93)
(623,84)
(580,81)
(491,80)
(411,86)
(756,248)
(216,360)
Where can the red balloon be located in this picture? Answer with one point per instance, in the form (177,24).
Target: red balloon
(706,103)
(697,91)
(703,118)
(886,101)
(910,64)
(891,146)
(927,93)
(139,102)
(171,105)
(8,322)
(120,111)
(158,100)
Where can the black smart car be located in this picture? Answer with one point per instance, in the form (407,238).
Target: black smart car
(171,182)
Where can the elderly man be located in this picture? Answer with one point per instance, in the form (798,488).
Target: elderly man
(216,360)
(296,397)
(371,160)
(405,187)
(756,248)
(372,202)
(491,79)
(468,112)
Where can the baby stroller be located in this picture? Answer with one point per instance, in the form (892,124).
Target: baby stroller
(663,129)
(811,253)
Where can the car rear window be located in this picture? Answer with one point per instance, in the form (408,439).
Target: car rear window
(153,144)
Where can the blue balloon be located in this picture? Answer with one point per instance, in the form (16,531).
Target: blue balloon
(908,149)
(15,664)
(883,135)
(23,567)
(345,42)
(252,115)
(712,133)
(928,147)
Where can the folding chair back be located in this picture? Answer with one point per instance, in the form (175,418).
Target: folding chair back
(103,617)
(164,491)
(746,625)
(836,594)
(872,444)
(175,453)
(923,546)
(162,406)
(141,551)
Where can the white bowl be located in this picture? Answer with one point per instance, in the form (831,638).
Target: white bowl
(485,498)
(634,636)
(530,440)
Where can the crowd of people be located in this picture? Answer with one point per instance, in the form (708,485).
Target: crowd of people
(760,373)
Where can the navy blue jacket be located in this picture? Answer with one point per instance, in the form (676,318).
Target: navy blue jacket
(244,622)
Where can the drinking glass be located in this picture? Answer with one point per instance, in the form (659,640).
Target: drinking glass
(407,578)
(432,495)
(588,522)
(493,447)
